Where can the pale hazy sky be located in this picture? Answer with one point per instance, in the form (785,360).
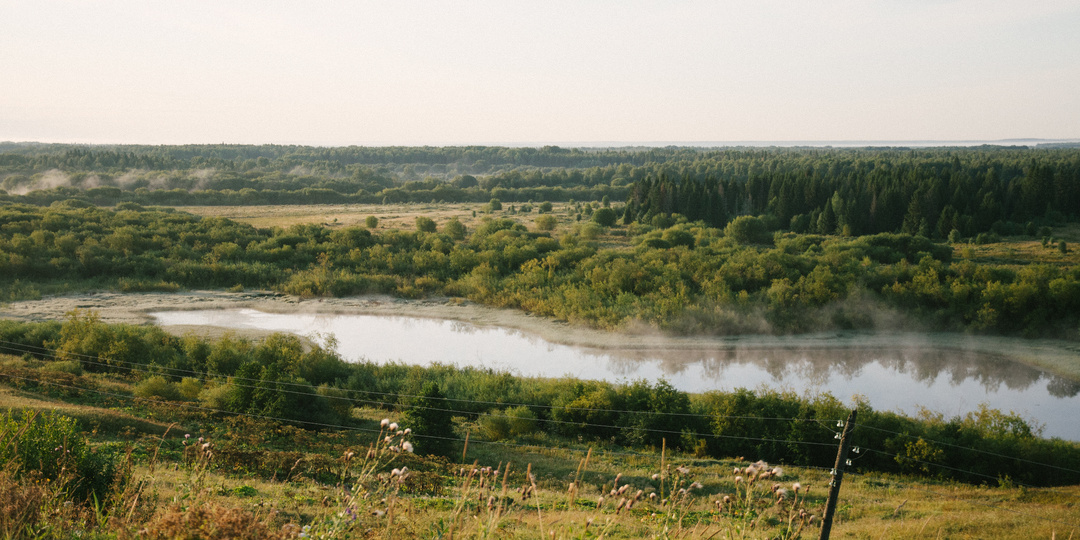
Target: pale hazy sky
(507,71)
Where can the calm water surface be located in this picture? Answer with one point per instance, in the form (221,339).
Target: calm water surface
(942,380)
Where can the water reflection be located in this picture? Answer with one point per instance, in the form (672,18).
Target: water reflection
(949,381)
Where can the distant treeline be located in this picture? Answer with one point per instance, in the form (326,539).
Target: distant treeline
(930,195)
(930,192)
(683,278)
(279,378)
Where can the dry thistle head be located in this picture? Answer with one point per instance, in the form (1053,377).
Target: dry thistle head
(778,472)
(407,446)
(796,486)
(738,479)
(696,485)
(683,470)
(385,422)
(393,426)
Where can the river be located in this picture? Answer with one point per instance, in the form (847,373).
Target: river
(904,379)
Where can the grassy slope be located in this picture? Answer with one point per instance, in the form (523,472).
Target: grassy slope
(435,499)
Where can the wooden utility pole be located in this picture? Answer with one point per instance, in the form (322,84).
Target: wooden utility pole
(837,476)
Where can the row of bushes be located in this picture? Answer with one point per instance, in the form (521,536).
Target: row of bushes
(278,378)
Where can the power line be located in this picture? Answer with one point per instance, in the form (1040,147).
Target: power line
(322,424)
(52,353)
(153,368)
(987,452)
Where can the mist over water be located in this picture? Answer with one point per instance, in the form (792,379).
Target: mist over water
(906,379)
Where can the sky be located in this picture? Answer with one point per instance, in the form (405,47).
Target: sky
(336,73)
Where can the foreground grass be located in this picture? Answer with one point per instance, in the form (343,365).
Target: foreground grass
(251,478)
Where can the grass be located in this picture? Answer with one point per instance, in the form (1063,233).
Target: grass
(391,216)
(256,479)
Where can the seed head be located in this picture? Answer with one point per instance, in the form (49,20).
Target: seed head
(385,422)
(796,486)
(393,426)
(407,446)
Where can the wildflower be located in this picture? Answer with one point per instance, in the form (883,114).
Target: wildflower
(656,477)
(206,446)
(387,439)
(737,470)
(796,486)
(385,422)
(395,472)
(696,485)
(738,479)
(378,513)
(652,496)
(407,446)
(750,471)
(600,502)
(781,494)
(408,431)
(200,439)
(727,499)
(778,472)
(393,426)
(683,470)
(187,435)
(571,488)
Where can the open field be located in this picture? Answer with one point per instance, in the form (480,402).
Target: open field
(390,216)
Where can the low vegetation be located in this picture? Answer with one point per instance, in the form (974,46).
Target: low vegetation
(220,474)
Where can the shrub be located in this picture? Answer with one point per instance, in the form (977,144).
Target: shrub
(455,229)
(49,444)
(605,217)
(371,222)
(508,423)
(190,388)
(425,224)
(747,230)
(544,208)
(157,387)
(546,222)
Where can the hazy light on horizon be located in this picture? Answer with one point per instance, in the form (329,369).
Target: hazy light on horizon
(122,71)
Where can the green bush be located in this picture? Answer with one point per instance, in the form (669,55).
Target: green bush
(546,222)
(49,444)
(157,387)
(508,423)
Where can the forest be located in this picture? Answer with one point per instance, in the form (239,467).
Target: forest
(928,192)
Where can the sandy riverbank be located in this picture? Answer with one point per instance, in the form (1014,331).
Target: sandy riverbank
(1058,357)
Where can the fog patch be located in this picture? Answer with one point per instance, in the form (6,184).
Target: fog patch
(202,178)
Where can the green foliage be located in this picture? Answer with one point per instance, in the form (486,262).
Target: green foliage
(455,229)
(425,224)
(605,217)
(748,230)
(546,222)
(157,387)
(50,444)
(371,222)
(508,423)
(429,417)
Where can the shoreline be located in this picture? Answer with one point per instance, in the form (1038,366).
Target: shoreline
(1058,357)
